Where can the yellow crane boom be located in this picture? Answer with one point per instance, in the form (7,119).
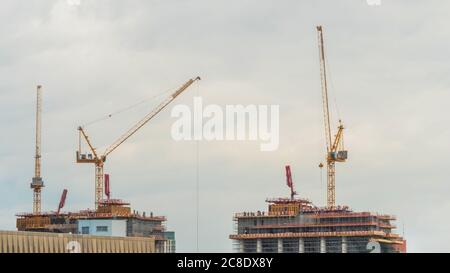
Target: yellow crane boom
(99,160)
(335,148)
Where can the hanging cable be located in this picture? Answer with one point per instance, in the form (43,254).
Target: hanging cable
(321,175)
(125,109)
(333,89)
(197,186)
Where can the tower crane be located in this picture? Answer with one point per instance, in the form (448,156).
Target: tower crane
(335,147)
(37,183)
(99,159)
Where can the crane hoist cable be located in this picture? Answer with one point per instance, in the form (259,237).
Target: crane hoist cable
(197,186)
(126,109)
(332,89)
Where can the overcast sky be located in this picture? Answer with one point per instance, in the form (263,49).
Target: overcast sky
(389,69)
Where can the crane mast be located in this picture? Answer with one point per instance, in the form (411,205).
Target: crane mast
(335,148)
(99,160)
(37,183)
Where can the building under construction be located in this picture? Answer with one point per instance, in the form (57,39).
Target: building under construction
(113,218)
(296,225)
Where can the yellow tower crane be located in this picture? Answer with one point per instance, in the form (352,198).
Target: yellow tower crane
(37,183)
(99,160)
(335,148)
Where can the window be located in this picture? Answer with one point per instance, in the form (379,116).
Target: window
(85,230)
(102,229)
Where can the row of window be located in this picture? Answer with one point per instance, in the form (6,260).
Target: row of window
(85,230)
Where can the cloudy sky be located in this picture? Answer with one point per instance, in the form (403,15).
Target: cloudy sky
(389,68)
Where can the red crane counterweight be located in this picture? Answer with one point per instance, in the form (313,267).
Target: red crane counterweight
(62,202)
(107,190)
(289,182)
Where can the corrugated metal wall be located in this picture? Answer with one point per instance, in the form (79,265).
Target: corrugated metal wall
(43,242)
